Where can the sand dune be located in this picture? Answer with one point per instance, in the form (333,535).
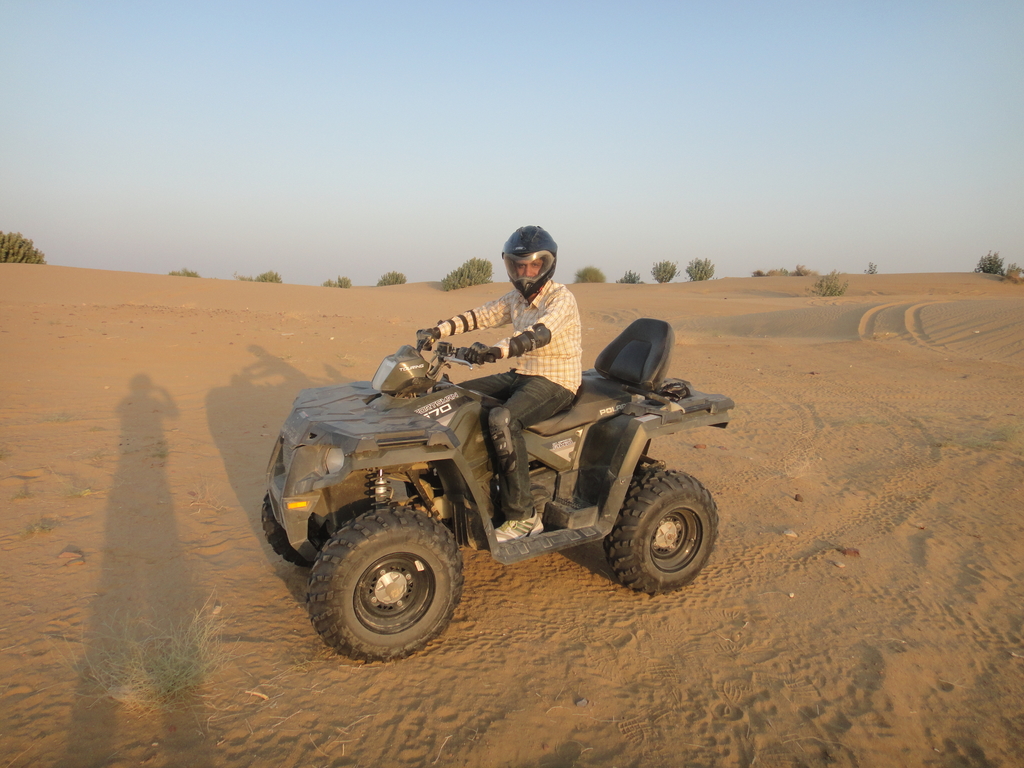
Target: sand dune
(139,411)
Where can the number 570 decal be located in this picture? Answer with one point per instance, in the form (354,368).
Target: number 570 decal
(439,407)
(433,413)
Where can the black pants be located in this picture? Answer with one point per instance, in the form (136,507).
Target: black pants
(529,400)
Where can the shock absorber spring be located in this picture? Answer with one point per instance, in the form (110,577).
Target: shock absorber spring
(378,487)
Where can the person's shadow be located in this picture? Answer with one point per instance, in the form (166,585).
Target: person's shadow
(144,595)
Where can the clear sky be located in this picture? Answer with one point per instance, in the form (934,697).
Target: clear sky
(320,139)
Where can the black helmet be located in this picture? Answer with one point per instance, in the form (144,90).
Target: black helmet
(525,246)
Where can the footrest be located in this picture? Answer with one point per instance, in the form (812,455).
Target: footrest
(570,513)
(550,541)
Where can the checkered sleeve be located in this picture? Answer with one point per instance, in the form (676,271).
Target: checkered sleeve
(555,308)
(561,359)
(493,314)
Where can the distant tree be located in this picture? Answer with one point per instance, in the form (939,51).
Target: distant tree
(15,248)
(801,271)
(700,269)
(184,273)
(990,264)
(341,282)
(872,269)
(472,272)
(391,278)
(830,285)
(758,273)
(781,272)
(630,277)
(589,275)
(664,271)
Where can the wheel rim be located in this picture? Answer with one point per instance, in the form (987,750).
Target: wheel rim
(394,593)
(676,540)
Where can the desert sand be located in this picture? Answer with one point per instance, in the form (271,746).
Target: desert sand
(863,607)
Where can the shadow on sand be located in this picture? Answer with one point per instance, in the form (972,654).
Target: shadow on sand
(144,590)
(244,418)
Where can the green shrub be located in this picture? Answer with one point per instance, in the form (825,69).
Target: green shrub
(391,278)
(664,271)
(700,269)
(759,273)
(630,277)
(472,272)
(830,285)
(872,269)
(183,272)
(589,275)
(15,248)
(801,271)
(781,272)
(1013,274)
(266,277)
(990,264)
(341,282)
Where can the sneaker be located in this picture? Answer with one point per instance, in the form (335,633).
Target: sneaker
(517,529)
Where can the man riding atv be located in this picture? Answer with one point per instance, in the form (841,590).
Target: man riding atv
(377,486)
(547,375)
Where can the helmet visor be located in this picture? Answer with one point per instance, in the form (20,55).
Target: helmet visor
(526,269)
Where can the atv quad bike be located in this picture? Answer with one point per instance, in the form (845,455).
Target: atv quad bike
(376,485)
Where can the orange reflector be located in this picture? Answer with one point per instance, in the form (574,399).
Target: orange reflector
(297,504)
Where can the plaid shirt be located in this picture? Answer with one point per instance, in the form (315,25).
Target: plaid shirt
(555,308)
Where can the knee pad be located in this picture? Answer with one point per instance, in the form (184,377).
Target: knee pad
(499,420)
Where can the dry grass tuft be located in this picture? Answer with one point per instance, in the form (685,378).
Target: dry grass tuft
(203,497)
(1008,437)
(59,418)
(145,668)
(74,488)
(42,525)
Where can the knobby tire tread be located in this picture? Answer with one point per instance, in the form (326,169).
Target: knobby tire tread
(627,555)
(334,558)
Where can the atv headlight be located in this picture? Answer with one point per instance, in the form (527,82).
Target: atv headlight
(385,369)
(334,460)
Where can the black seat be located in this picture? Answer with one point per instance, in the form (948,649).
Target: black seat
(640,355)
(637,357)
(596,398)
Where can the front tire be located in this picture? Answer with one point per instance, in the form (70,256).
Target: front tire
(385,584)
(665,532)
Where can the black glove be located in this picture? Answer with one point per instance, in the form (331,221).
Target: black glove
(480,353)
(425,337)
(527,341)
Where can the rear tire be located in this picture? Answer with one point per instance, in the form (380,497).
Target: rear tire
(665,532)
(385,584)
(277,537)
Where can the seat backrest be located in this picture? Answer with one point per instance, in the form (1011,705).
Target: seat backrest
(640,355)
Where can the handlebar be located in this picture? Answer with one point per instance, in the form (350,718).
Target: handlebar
(446,351)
